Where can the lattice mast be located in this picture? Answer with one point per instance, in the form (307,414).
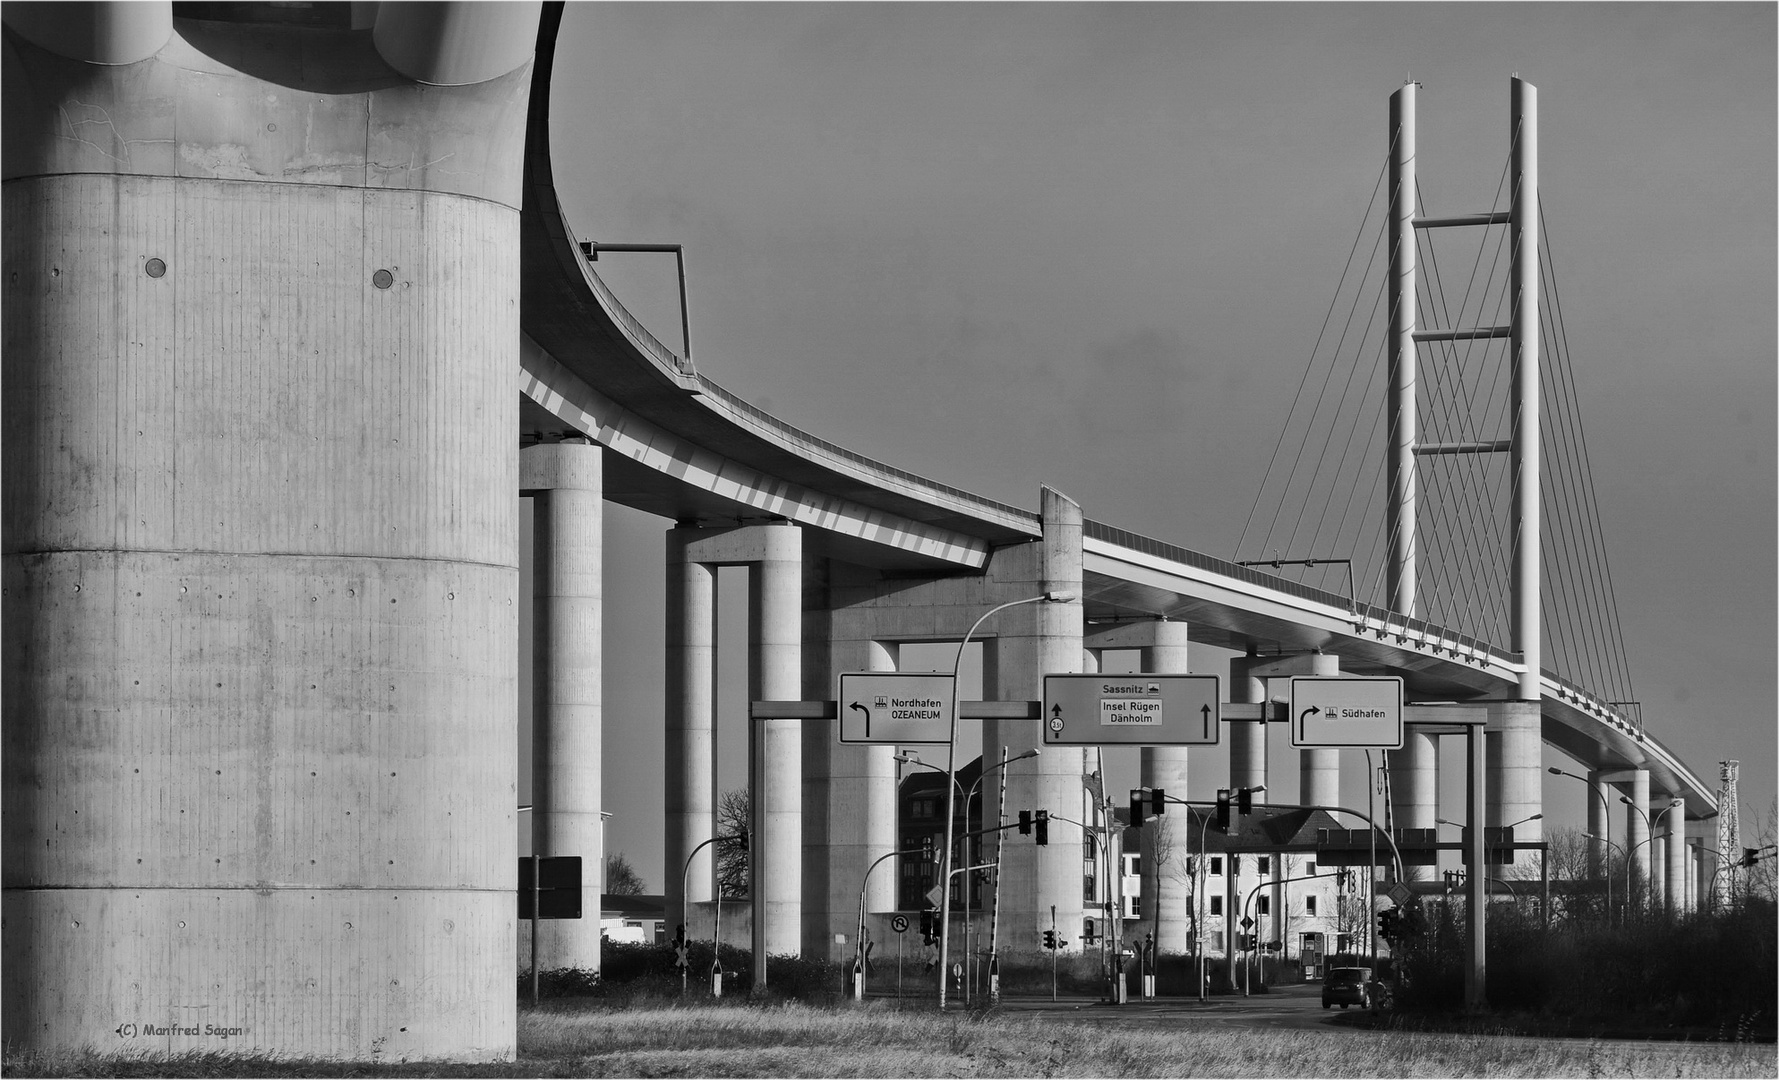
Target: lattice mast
(1523,333)
(1729,833)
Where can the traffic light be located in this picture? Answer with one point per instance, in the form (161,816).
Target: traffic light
(1042,823)
(1750,856)
(1136,809)
(1025,823)
(741,839)
(1223,809)
(1157,801)
(1050,939)
(928,925)
(1244,800)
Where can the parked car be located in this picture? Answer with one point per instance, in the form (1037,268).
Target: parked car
(1346,986)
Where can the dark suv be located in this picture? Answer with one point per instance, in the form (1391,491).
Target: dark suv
(1345,986)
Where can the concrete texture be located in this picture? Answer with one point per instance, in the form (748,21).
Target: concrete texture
(1515,774)
(259,550)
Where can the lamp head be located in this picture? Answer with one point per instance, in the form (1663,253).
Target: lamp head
(1060,596)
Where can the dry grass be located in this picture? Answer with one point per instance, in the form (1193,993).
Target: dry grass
(874,1040)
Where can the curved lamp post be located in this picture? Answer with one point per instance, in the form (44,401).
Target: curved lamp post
(1606,815)
(1058,597)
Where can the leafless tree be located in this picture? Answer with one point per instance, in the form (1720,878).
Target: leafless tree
(735,815)
(621,879)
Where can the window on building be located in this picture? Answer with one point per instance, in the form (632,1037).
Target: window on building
(1216,905)
(1088,851)
(1133,866)
(1087,890)
(1312,869)
(1309,906)
(1265,905)
(1265,865)
(1216,864)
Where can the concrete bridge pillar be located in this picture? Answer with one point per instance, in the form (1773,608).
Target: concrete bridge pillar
(1599,823)
(1030,641)
(774,556)
(564,481)
(1318,771)
(1515,776)
(1637,838)
(1164,884)
(849,791)
(261,334)
(689,781)
(1676,875)
(1247,768)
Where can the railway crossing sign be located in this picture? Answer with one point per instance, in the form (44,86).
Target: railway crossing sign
(896,707)
(1132,710)
(1335,711)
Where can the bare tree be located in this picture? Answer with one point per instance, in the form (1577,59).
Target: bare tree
(621,879)
(735,815)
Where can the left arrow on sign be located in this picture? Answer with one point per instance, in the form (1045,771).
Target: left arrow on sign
(867,712)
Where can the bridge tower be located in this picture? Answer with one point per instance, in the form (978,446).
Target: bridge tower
(1514,739)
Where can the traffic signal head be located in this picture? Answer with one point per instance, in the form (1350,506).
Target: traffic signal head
(1245,800)
(1223,809)
(1157,801)
(1050,939)
(1025,823)
(1042,824)
(1136,809)
(741,839)
(1750,856)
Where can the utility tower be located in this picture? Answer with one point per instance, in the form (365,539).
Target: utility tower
(1729,833)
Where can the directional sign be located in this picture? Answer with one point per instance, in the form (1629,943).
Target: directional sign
(1132,710)
(896,707)
(935,896)
(1346,710)
(899,924)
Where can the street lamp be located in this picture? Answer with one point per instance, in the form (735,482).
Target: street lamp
(1606,815)
(1648,835)
(1055,597)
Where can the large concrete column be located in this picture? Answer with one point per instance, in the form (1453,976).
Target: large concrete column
(688,781)
(775,759)
(1164,884)
(1658,870)
(1599,823)
(1247,768)
(564,481)
(1030,641)
(1414,789)
(260,560)
(1637,840)
(1514,774)
(1677,870)
(1318,771)
(849,791)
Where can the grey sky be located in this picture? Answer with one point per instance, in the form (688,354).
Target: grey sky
(1091,246)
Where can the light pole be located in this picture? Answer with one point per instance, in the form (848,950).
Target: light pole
(1649,825)
(716,927)
(1057,597)
(1606,815)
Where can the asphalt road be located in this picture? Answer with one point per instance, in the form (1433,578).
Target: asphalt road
(1291,1007)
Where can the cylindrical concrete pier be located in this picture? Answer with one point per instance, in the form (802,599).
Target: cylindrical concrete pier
(1515,777)
(1318,782)
(564,480)
(1637,840)
(1677,863)
(690,731)
(1165,883)
(260,368)
(1414,789)
(775,673)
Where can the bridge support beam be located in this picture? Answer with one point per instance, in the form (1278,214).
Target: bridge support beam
(565,483)
(774,557)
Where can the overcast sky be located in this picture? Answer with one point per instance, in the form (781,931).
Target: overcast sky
(1091,246)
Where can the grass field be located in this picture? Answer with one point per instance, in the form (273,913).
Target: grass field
(648,1040)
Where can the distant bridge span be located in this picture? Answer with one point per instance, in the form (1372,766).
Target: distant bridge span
(682,447)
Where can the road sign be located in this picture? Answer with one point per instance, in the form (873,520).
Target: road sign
(1346,710)
(935,895)
(680,957)
(558,887)
(1400,894)
(899,924)
(1247,922)
(1132,710)
(896,707)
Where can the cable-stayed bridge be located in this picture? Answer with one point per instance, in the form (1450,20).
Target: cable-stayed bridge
(273,283)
